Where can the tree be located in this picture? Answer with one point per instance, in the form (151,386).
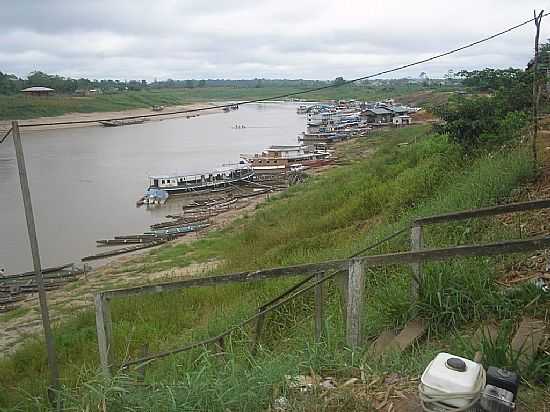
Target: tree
(497,116)
(339,81)
(202,83)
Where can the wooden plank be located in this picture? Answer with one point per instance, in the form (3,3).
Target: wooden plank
(487,333)
(381,343)
(252,276)
(319,312)
(512,246)
(104,333)
(487,211)
(412,331)
(416,244)
(489,249)
(527,340)
(356,289)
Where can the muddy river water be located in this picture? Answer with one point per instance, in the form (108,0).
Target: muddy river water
(85,181)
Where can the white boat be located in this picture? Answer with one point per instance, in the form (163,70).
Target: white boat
(227,175)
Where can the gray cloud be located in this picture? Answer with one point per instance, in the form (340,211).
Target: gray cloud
(246,39)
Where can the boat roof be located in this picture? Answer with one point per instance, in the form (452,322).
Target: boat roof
(38,89)
(222,169)
(285,147)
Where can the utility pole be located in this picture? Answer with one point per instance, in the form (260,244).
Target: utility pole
(536,86)
(53,390)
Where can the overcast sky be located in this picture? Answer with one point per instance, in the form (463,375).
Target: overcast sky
(181,39)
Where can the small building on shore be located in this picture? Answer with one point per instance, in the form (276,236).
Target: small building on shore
(38,91)
(378,115)
(403,120)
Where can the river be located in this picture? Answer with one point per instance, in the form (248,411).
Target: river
(85,181)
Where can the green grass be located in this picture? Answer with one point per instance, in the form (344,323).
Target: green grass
(330,216)
(19,107)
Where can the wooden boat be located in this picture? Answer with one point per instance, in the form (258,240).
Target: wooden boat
(111,242)
(31,273)
(178,230)
(282,158)
(123,122)
(123,250)
(203,181)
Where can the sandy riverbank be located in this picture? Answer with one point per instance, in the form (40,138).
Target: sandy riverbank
(97,116)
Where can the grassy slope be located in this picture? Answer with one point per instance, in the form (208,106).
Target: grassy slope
(24,107)
(331,216)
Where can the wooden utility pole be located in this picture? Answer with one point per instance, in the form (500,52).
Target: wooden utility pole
(50,348)
(536,86)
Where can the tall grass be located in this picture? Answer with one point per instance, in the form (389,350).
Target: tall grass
(331,216)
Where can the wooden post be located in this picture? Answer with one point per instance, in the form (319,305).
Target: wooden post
(104,332)
(141,369)
(31,229)
(342,285)
(319,312)
(257,333)
(536,86)
(356,288)
(416,244)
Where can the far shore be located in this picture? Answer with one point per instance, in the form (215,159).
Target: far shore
(97,116)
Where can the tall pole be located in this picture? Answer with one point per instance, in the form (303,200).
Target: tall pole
(536,93)
(50,347)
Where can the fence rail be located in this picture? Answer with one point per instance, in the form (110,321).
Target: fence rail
(351,283)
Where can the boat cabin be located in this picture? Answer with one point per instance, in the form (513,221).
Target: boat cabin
(206,180)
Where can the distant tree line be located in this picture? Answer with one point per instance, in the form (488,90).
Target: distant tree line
(11,84)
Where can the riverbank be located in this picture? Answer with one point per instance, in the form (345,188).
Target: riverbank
(330,217)
(94,117)
(25,107)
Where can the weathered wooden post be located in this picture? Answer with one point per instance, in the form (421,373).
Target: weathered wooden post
(31,229)
(356,289)
(141,368)
(536,86)
(319,312)
(257,331)
(341,281)
(416,244)
(104,332)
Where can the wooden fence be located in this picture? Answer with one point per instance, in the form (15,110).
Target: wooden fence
(350,274)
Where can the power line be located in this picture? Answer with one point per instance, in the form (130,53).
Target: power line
(282,96)
(5,136)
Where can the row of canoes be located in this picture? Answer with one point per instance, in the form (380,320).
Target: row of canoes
(142,241)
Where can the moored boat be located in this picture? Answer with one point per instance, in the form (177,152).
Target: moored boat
(282,158)
(123,122)
(227,175)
